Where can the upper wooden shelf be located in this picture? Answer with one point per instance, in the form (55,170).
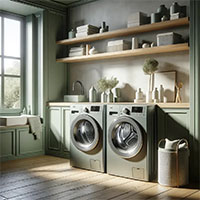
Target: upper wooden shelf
(126,53)
(128,31)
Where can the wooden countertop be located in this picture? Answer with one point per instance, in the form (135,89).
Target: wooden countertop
(13,127)
(161,105)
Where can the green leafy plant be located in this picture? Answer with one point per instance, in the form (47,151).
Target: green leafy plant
(149,67)
(112,82)
(105,84)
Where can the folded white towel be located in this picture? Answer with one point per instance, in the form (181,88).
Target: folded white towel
(35,126)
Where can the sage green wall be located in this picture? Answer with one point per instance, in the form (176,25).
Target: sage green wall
(54,72)
(115,13)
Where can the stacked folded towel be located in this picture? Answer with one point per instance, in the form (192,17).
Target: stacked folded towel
(77,51)
(86,30)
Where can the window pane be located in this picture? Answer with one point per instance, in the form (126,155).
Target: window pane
(11,66)
(11,37)
(0,35)
(12,92)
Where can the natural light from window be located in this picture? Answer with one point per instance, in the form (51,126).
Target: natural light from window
(10,63)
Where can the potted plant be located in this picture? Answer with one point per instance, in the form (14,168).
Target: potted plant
(104,85)
(149,68)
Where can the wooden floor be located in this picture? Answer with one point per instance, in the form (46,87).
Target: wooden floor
(48,177)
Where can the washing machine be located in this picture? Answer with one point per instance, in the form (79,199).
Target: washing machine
(87,136)
(131,141)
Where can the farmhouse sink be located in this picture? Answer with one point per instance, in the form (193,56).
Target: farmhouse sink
(13,120)
(74,98)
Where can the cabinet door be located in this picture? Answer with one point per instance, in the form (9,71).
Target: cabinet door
(66,128)
(26,142)
(54,135)
(173,124)
(7,144)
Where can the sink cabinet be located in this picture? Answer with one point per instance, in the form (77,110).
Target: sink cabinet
(17,142)
(57,135)
(7,149)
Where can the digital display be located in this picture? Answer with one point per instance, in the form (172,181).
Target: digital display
(137,109)
(95,108)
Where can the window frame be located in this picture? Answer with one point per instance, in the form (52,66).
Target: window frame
(21,58)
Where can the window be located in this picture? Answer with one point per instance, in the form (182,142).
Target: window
(11,63)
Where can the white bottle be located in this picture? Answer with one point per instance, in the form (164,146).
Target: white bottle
(103,97)
(155,94)
(161,94)
(139,94)
(109,96)
(92,94)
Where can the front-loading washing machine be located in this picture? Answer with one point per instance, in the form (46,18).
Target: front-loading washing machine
(131,141)
(87,136)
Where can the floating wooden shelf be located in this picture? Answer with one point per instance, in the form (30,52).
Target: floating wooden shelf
(126,53)
(127,31)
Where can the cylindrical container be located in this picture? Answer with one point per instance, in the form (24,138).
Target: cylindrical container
(173,165)
(162,10)
(155,93)
(155,17)
(71,34)
(134,43)
(149,97)
(139,94)
(174,8)
(109,96)
(92,94)
(161,94)
(103,97)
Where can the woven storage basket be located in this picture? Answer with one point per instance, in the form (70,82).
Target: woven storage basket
(173,165)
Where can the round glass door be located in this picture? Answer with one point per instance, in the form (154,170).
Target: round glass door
(125,137)
(84,133)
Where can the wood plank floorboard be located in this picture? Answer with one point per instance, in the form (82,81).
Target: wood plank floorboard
(48,177)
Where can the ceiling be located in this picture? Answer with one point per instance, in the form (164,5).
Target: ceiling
(18,8)
(69,3)
(25,7)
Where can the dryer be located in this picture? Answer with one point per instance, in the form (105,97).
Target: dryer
(87,136)
(131,141)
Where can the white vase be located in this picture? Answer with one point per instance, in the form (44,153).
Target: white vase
(103,97)
(92,94)
(110,96)
(149,97)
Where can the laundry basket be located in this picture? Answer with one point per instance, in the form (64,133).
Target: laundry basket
(173,163)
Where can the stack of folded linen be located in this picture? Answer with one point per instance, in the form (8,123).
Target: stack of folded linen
(77,51)
(86,30)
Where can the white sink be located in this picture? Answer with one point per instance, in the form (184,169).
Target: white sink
(13,120)
(74,98)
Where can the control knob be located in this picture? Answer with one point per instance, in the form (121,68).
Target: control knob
(85,109)
(126,111)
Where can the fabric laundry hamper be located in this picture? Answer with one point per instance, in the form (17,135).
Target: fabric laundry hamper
(173,160)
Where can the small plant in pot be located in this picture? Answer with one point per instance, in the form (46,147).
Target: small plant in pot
(104,85)
(149,68)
